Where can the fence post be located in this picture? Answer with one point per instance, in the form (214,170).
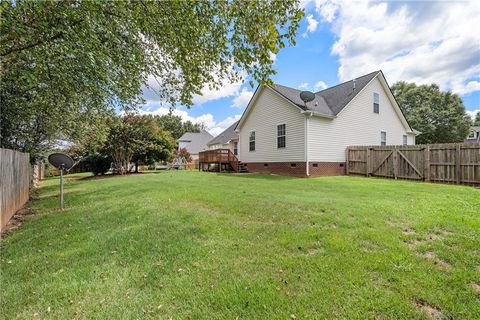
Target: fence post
(347,155)
(369,162)
(395,160)
(457,164)
(426,163)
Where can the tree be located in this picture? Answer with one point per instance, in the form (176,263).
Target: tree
(174,124)
(440,116)
(183,153)
(67,64)
(158,144)
(137,138)
(476,122)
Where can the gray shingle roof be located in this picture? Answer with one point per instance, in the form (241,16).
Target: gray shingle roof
(225,136)
(197,141)
(331,100)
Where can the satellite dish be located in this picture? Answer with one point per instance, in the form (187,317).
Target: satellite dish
(307,96)
(61,161)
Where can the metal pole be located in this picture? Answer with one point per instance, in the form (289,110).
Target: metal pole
(61,188)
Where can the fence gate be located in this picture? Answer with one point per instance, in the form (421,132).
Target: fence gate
(406,163)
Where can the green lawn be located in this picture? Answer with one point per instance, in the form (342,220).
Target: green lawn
(190,245)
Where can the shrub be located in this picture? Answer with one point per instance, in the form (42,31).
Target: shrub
(98,164)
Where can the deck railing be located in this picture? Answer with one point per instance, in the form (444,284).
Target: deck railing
(219,156)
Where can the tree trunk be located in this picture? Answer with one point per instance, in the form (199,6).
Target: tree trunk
(136,167)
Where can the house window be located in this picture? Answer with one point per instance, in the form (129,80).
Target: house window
(472,135)
(235,148)
(293,165)
(315,165)
(405,141)
(376,103)
(281,136)
(252,141)
(383,138)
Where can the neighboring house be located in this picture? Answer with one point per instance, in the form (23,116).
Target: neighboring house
(279,133)
(228,139)
(474,135)
(194,142)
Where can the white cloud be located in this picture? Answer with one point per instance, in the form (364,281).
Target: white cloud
(320,85)
(422,42)
(312,25)
(228,89)
(303,86)
(326,9)
(213,126)
(273,57)
(242,100)
(473,113)
(224,124)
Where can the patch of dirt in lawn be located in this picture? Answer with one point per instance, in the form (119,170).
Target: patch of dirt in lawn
(430,255)
(432,311)
(412,243)
(408,231)
(476,287)
(16,221)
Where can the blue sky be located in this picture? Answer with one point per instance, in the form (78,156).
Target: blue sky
(418,41)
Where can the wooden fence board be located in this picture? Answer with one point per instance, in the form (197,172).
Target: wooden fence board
(14,182)
(448,163)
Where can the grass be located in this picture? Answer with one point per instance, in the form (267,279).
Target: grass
(190,245)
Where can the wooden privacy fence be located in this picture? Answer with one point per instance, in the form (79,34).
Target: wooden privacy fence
(14,183)
(449,163)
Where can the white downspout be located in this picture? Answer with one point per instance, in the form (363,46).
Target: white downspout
(307,163)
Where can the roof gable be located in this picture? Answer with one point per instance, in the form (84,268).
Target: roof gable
(225,136)
(331,101)
(197,141)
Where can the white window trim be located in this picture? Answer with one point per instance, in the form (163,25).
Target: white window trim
(276,140)
(381,135)
(373,102)
(473,134)
(405,139)
(249,136)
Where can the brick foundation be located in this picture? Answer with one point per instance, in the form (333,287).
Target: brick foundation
(327,169)
(297,169)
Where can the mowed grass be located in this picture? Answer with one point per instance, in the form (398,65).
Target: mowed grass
(191,245)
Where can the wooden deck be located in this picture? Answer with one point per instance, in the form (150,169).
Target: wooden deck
(218,160)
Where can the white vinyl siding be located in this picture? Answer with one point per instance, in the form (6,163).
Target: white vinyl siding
(267,111)
(356,124)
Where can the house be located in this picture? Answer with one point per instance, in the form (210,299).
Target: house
(228,139)
(474,135)
(194,142)
(279,133)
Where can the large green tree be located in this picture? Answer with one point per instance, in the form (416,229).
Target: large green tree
(176,126)
(476,122)
(439,115)
(157,143)
(67,63)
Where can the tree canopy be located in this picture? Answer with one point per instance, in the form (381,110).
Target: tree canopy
(439,116)
(67,64)
(476,121)
(174,124)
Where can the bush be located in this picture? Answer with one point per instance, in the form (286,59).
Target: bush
(98,164)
